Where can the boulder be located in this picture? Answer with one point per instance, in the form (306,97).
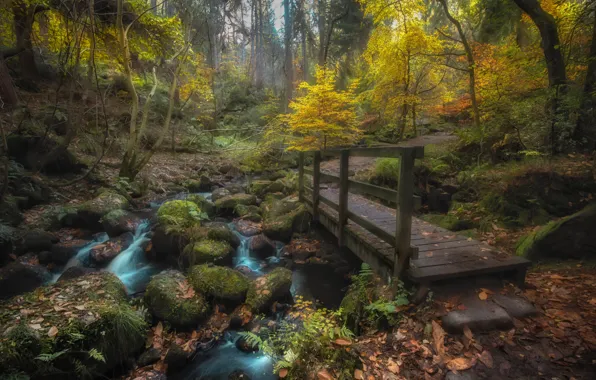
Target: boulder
(478,316)
(439,200)
(262,246)
(32,153)
(259,187)
(170,298)
(284,217)
(206,206)
(274,286)
(87,312)
(230,202)
(569,237)
(8,235)
(75,272)
(220,283)
(18,278)
(10,214)
(117,222)
(176,358)
(235,188)
(217,231)
(64,251)
(91,212)
(151,356)
(204,184)
(104,253)
(179,214)
(247,227)
(168,244)
(219,193)
(37,240)
(245,211)
(207,251)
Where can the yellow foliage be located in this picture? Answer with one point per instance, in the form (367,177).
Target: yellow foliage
(322,117)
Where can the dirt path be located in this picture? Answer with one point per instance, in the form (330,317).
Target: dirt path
(358,164)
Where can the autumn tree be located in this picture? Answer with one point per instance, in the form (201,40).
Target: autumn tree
(322,117)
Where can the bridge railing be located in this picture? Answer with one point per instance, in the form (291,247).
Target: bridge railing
(403,197)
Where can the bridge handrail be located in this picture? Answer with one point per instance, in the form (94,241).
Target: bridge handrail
(403,197)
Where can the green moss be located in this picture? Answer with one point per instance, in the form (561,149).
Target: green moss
(89,312)
(269,288)
(258,187)
(169,298)
(281,221)
(204,204)
(179,214)
(206,251)
(526,244)
(450,222)
(105,202)
(231,201)
(218,282)
(243,210)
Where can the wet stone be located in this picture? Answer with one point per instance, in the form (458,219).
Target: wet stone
(478,316)
(149,357)
(516,307)
(461,375)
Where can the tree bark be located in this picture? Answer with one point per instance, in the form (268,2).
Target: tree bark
(550,42)
(24,17)
(585,131)
(288,61)
(8,94)
(322,21)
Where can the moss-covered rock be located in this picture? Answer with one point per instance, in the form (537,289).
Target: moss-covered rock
(219,193)
(259,187)
(168,244)
(18,278)
(230,202)
(450,222)
(207,251)
(9,212)
(203,184)
(570,237)
(204,204)
(169,297)
(117,222)
(284,217)
(222,232)
(179,214)
(62,323)
(91,212)
(221,283)
(265,290)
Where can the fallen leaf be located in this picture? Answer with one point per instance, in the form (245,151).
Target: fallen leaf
(342,342)
(358,374)
(35,326)
(392,366)
(461,364)
(486,358)
(468,337)
(438,339)
(483,296)
(53,331)
(158,329)
(283,373)
(324,375)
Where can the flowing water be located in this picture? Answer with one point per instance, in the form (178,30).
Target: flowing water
(314,282)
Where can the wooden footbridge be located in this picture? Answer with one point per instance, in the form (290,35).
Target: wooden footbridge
(391,240)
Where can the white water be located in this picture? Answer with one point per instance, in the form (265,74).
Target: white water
(131,265)
(82,256)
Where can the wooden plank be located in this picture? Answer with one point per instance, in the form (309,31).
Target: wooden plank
(464,269)
(329,178)
(316,185)
(372,228)
(448,244)
(403,230)
(383,151)
(329,202)
(344,162)
(301,176)
(376,191)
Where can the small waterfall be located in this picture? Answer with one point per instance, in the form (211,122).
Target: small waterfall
(131,265)
(243,258)
(82,256)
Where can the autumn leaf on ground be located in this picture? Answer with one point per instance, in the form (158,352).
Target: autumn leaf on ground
(358,374)
(438,339)
(468,337)
(158,329)
(283,373)
(483,296)
(342,342)
(392,366)
(53,331)
(486,358)
(461,364)
(324,375)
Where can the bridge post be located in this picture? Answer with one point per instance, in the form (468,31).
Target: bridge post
(405,208)
(301,176)
(344,162)
(316,185)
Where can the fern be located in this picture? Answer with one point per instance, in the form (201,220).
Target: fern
(95,354)
(47,358)
(252,339)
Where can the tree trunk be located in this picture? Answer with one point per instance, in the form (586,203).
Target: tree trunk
(471,63)
(259,74)
(585,132)
(288,62)
(24,17)
(8,95)
(550,41)
(322,21)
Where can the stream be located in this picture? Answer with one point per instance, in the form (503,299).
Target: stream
(313,282)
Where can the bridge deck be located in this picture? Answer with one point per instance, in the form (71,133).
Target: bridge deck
(442,254)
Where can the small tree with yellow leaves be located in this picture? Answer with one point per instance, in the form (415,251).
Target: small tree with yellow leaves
(322,117)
